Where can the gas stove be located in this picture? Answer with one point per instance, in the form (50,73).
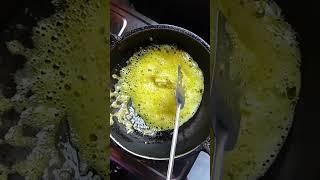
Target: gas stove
(123,165)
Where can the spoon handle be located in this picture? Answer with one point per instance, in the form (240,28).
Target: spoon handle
(217,168)
(173,143)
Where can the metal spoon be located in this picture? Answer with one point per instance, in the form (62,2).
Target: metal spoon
(179,106)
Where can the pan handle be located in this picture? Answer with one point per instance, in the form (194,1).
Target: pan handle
(201,166)
(216,163)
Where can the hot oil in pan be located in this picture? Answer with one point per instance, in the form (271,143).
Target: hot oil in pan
(265,58)
(63,78)
(145,92)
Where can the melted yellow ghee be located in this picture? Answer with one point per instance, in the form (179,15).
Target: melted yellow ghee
(150,81)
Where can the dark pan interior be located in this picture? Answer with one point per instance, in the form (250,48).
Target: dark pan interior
(193,132)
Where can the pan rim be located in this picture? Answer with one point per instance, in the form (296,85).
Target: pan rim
(161,27)
(153,158)
(165,27)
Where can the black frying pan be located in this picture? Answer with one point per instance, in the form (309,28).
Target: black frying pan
(193,132)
